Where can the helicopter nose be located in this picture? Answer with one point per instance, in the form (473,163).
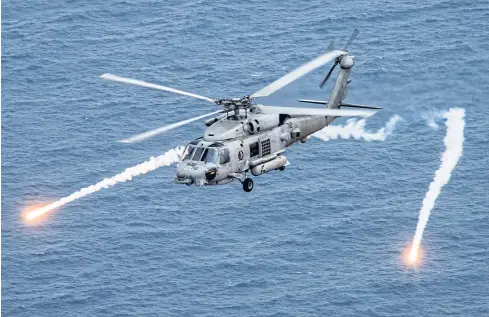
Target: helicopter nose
(191,171)
(180,174)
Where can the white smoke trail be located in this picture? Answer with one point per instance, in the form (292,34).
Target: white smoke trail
(454,140)
(432,116)
(166,159)
(356,129)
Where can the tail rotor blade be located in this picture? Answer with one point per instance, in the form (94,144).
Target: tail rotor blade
(351,39)
(321,85)
(149,134)
(338,59)
(330,47)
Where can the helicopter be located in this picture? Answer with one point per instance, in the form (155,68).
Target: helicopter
(246,137)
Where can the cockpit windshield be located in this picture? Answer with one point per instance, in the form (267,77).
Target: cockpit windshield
(188,152)
(197,154)
(210,156)
(207,155)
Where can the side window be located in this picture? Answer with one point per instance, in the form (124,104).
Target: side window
(224,156)
(254,151)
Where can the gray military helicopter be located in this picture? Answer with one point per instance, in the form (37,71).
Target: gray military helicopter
(245,137)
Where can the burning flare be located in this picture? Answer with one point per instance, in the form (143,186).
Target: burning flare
(356,129)
(153,163)
(412,261)
(413,253)
(454,140)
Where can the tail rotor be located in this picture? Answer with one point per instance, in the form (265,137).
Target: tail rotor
(338,59)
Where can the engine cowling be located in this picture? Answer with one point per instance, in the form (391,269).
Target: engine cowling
(262,122)
(253,126)
(266,167)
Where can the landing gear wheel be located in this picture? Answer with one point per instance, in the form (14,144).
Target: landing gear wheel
(248,185)
(281,168)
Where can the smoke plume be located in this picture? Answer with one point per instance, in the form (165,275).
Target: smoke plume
(454,140)
(356,129)
(153,163)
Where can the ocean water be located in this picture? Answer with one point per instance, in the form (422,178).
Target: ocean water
(323,238)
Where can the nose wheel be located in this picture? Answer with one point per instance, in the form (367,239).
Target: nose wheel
(248,185)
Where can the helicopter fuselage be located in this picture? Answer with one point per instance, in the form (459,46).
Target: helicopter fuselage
(257,148)
(249,141)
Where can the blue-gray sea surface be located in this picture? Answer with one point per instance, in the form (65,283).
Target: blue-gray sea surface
(323,238)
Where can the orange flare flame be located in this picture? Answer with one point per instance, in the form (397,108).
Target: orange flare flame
(412,255)
(33,213)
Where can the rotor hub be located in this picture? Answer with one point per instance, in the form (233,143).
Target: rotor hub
(346,62)
(235,103)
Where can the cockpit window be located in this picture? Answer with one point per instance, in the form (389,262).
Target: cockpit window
(207,155)
(197,154)
(188,152)
(210,156)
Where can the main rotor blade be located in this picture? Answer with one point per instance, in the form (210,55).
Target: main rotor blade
(298,73)
(149,134)
(315,111)
(153,86)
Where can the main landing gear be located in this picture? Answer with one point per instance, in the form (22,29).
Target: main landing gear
(248,185)
(246,181)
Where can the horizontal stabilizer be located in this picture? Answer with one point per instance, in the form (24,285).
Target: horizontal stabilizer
(352,105)
(343,104)
(318,102)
